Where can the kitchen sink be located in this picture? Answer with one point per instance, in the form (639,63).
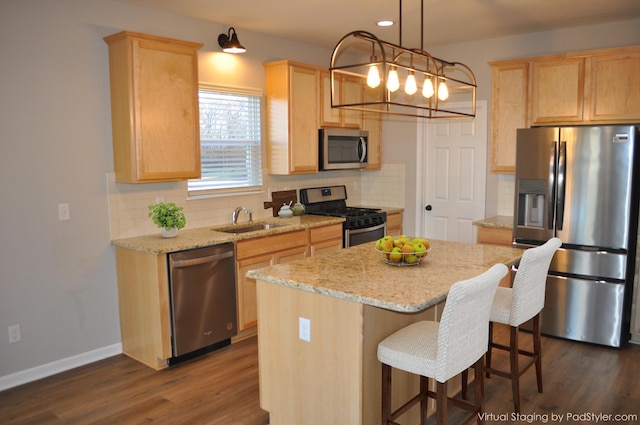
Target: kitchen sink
(246,228)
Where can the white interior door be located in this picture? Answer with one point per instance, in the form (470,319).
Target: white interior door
(453,178)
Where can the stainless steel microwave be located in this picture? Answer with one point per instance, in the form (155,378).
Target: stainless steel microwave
(342,148)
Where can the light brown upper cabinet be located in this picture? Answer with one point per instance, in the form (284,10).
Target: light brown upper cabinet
(347,90)
(509,112)
(615,86)
(557,91)
(372,122)
(292,117)
(154,108)
(581,88)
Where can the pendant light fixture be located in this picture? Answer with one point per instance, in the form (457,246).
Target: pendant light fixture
(229,42)
(391,66)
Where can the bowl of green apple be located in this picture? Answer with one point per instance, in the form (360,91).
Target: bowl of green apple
(402,250)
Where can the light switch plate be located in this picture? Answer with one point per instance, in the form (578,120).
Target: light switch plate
(304,329)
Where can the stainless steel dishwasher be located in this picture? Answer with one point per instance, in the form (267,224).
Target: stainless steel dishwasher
(202,291)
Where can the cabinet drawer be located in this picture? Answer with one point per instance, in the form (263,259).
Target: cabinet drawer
(269,244)
(495,236)
(318,234)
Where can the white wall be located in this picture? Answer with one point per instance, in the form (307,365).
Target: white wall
(57,279)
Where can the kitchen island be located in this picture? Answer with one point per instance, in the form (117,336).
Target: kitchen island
(320,320)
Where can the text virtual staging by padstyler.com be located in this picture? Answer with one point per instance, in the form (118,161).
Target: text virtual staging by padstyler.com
(559,418)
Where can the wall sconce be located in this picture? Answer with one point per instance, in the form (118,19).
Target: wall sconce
(229,42)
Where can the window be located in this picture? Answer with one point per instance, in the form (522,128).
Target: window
(230,152)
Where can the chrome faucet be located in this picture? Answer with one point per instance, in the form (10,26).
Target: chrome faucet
(236,212)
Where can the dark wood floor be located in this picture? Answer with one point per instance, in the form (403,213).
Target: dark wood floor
(221,388)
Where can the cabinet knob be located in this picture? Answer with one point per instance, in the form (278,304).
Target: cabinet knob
(428,208)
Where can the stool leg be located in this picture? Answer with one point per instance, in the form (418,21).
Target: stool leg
(441,403)
(465,383)
(479,390)
(515,369)
(386,393)
(488,354)
(424,388)
(537,350)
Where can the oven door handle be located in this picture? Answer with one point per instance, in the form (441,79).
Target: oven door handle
(367,229)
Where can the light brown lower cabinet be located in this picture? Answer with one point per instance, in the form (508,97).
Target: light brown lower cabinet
(257,253)
(143,288)
(143,298)
(496,236)
(394,224)
(278,249)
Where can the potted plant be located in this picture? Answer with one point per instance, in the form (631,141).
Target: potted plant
(168,217)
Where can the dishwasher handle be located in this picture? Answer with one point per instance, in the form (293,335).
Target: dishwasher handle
(200,260)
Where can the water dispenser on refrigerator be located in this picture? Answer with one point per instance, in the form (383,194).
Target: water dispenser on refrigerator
(531,203)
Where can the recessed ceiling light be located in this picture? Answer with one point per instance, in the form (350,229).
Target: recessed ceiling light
(385,23)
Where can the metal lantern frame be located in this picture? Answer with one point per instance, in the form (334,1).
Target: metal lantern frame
(459,78)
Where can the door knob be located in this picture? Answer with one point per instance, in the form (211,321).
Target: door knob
(428,208)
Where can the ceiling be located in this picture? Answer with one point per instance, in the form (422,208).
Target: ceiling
(324,22)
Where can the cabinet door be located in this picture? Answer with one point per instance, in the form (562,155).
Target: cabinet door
(351,93)
(304,120)
(285,256)
(346,90)
(247,300)
(557,91)
(508,113)
(329,117)
(615,87)
(372,122)
(154,103)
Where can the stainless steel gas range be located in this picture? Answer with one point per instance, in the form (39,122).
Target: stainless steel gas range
(361,225)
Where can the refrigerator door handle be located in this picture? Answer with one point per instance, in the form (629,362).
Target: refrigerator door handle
(551,192)
(562,166)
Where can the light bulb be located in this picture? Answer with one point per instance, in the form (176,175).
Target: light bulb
(373,77)
(443,91)
(410,86)
(427,89)
(393,83)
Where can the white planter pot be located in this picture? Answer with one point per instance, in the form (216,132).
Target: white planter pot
(171,233)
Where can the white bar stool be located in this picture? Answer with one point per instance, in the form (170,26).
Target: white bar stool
(518,304)
(443,350)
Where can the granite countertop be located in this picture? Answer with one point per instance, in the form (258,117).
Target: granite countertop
(498,221)
(207,236)
(359,274)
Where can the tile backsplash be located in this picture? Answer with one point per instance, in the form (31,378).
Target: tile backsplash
(128,203)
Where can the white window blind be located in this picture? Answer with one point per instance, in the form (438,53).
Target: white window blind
(230,153)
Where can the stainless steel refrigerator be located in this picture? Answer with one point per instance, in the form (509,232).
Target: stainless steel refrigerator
(580,184)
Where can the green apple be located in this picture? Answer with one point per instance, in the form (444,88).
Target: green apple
(386,246)
(407,249)
(420,249)
(410,259)
(396,255)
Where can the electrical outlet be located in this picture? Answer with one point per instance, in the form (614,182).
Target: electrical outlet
(304,329)
(14,334)
(63,212)
(159,199)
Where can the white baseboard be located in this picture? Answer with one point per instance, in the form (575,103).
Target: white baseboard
(39,372)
